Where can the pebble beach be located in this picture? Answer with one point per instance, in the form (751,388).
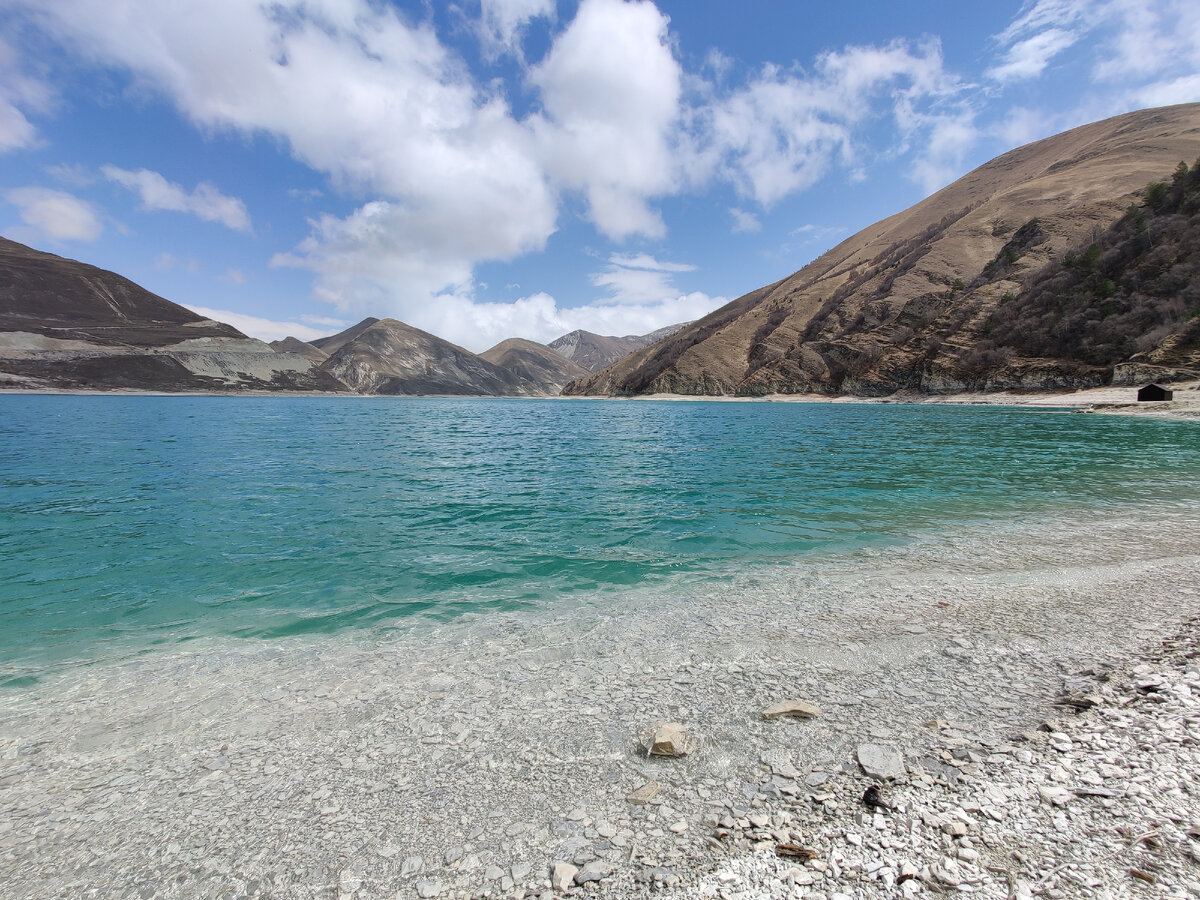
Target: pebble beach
(501,757)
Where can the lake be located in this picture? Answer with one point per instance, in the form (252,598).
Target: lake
(134,523)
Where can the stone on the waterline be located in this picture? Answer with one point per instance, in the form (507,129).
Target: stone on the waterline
(880,761)
(562,876)
(668,739)
(796,709)
(645,793)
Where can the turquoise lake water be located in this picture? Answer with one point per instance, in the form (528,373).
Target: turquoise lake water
(130,523)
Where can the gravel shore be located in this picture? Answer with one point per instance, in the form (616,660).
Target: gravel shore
(495,756)
(1103,801)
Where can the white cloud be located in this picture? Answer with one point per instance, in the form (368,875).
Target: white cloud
(1154,50)
(19,94)
(1030,57)
(502,21)
(56,214)
(611,90)
(356,92)
(72,175)
(945,140)
(639,280)
(1185,89)
(1041,15)
(784,131)
(744,222)
(1134,52)
(366,265)
(257,327)
(646,261)
(204,202)
(479,325)
(327,323)
(1021,125)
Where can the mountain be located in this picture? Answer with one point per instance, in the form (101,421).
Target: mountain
(332,344)
(390,357)
(67,325)
(935,298)
(536,364)
(289,344)
(595,351)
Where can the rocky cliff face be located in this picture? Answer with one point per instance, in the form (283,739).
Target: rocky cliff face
(312,353)
(594,352)
(67,325)
(543,370)
(335,342)
(912,302)
(390,357)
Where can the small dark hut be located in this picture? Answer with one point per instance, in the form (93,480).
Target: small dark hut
(1154,392)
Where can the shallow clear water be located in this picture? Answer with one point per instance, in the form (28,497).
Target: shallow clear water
(133,522)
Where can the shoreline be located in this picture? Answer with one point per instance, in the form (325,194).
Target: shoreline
(466,760)
(1185,406)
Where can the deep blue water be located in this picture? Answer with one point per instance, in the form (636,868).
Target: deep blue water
(133,522)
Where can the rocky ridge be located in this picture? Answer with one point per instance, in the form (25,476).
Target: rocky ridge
(391,357)
(534,363)
(594,352)
(67,325)
(312,353)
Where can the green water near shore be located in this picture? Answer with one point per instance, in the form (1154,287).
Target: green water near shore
(132,523)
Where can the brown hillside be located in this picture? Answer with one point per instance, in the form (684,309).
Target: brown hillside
(309,351)
(596,351)
(535,363)
(903,303)
(65,324)
(391,357)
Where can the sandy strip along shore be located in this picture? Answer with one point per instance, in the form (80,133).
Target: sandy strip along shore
(1185,405)
(467,760)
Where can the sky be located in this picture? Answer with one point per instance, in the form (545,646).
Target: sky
(486,169)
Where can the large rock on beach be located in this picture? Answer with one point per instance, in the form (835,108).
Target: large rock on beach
(668,739)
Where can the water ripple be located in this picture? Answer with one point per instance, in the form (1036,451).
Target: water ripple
(136,521)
